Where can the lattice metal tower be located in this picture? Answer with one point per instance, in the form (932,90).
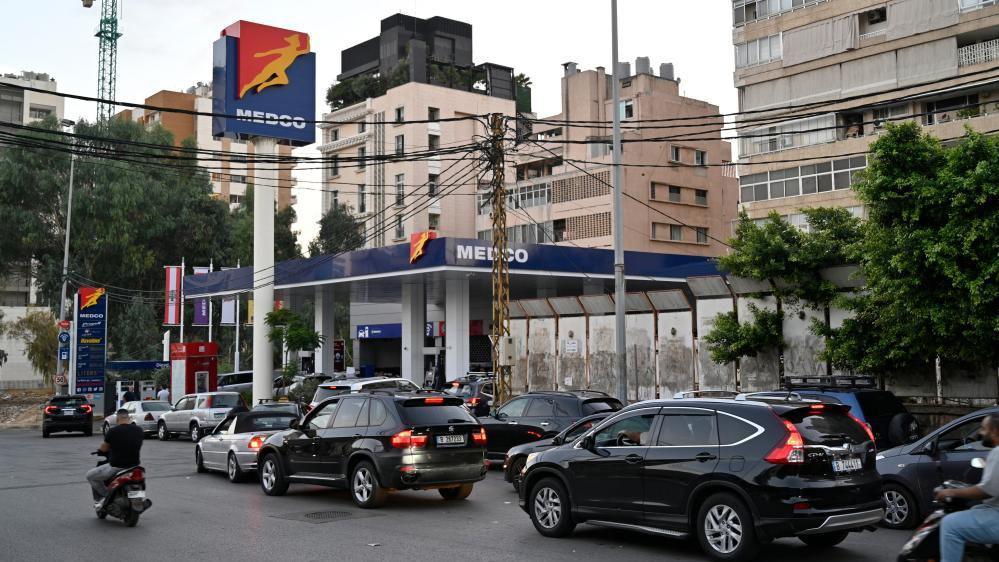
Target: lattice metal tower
(107,63)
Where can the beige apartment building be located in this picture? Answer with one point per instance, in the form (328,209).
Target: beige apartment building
(868,62)
(679,194)
(231,170)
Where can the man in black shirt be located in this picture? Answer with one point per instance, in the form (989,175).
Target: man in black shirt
(130,394)
(122,444)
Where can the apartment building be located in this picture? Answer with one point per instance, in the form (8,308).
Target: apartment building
(867,62)
(414,70)
(234,172)
(680,194)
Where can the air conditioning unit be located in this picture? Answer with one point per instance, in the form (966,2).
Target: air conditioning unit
(876,16)
(786,142)
(879,124)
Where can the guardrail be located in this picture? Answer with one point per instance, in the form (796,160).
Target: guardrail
(978,53)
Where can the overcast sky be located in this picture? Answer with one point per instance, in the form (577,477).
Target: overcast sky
(167,44)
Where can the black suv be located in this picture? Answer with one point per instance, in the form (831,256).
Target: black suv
(516,457)
(735,473)
(68,413)
(539,415)
(475,390)
(370,443)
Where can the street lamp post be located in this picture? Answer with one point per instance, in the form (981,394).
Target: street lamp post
(65,253)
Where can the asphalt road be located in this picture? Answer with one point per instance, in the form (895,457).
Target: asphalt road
(46,514)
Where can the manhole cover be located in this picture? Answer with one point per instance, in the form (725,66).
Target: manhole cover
(325,516)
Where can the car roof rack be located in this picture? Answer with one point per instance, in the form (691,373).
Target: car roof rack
(823,382)
(772,396)
(706,393)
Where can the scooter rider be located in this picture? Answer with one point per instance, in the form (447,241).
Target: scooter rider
(121,444)
(979,524)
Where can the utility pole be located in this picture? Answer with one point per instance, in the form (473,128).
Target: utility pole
(501,265)
(65,249)
(619,294)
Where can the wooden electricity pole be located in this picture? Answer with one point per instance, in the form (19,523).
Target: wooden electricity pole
(501,264)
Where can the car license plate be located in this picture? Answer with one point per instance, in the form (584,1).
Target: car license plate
(136,494)
(450,440)
(68,412)
(847,465)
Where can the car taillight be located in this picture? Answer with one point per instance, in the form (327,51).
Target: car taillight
(474,401)
(791,451)
(149,417)
(87,408)
(866,426)
(256,442)
(479,437)
(433,400)
(51,409)
(405,439)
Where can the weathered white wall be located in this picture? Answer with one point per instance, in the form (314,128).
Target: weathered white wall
(675,353)
(601,354)
(802,346)
(541,354)
(17,372)
(640,338)
(572,365)
(712,375)
(760,372)
(518,374)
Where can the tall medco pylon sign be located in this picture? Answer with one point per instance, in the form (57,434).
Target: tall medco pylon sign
(264,91)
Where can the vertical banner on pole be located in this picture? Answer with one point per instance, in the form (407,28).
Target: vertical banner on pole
(171,313)
(201,312)
(229,311)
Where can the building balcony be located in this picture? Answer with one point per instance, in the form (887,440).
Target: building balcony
(872,34)
(978,53)
(347,142)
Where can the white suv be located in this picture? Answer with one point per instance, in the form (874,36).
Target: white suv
(327,389)
(195,414)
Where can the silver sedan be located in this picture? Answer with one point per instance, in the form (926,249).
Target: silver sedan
(232,447)
(143,413)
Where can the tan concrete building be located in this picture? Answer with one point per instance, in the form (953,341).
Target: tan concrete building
(234,172)
(872,62)
(684,194)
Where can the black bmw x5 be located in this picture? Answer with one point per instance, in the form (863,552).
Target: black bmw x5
(734,473)
(371,443)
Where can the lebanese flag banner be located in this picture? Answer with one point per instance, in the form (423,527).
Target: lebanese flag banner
(174,290)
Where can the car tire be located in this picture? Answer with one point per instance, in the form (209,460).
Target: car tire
(365,489)
(88,431)
(825,539)
(902,429)
(232,469)
(725,529)
(161,432)
(901,511)
(272,478)
(515,472)
(456,493)
(199,461)
(104,429)
(550,508)
(45,434)
(195,433)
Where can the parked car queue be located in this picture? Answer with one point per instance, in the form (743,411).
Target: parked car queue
(736,439)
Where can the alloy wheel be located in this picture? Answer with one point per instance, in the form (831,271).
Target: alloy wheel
(723,529)
(232,467)
(268,476)
(363,485)
(547,507)
(896,507)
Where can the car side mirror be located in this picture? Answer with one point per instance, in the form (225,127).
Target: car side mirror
(309,432)
(501,416)
(557,440)
(293,424)
(587,443)
(930,448)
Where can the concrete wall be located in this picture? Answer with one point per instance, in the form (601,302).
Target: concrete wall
(601,354)
(675,353)
(17,371)
(640,333)
(541,354)
(518,374)
(572,352)
(712,375)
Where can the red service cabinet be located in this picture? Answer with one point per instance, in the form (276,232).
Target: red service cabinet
(193,368)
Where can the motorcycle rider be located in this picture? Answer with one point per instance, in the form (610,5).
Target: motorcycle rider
(979,524)
(121,444)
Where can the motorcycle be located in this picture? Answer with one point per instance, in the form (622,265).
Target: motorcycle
(924,545)
(126,497)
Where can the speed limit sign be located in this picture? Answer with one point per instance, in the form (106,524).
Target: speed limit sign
(60,380)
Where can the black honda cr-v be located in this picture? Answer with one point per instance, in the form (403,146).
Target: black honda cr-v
(735,473)
(370,443)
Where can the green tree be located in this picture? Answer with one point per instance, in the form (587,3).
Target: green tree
(286,245)
(730,340)
(339,231)
(40,335)
(139,331)
(930,255)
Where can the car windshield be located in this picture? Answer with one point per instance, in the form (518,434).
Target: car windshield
(420,414)
(595,406)
(224,401)
(459,389)
(155,407)
(73,401)
(268,422)
(324,392)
